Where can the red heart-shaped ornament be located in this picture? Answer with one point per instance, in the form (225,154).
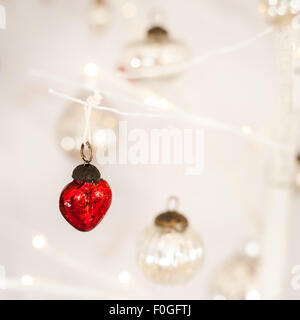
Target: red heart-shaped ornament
(84,204)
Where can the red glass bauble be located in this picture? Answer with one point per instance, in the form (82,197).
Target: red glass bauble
(84,204)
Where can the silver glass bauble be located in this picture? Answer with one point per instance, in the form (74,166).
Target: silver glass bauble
(169,251)
(145,59)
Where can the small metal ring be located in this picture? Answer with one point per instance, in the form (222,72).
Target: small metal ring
(83,156)
(175,201)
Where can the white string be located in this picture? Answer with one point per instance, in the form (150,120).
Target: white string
(178,114)
(173,69)
(91,102)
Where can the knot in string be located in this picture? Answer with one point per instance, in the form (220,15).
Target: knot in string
(95,99)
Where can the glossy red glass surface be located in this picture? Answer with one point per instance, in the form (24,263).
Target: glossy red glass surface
(84,205)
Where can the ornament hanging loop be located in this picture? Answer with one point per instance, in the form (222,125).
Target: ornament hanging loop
(92,101)
(172,203)
(84,157)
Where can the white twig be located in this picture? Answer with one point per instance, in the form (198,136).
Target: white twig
(78,85)
(196,61)
(178,114)
(110,109)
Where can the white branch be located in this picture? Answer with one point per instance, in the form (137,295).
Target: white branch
(192,118)
(161,71)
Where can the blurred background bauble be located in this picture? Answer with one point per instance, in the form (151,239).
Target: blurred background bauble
(99,14)
(144,59)
(236,278)
(170,251)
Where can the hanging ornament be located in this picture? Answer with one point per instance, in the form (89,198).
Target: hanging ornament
(99,14)
(147,58)
(85,201)
(70,127)
(279,12)
(236,279)
(170,252)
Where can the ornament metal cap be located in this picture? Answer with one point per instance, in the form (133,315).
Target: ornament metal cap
(86,173)
(157,33)
(172,220)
